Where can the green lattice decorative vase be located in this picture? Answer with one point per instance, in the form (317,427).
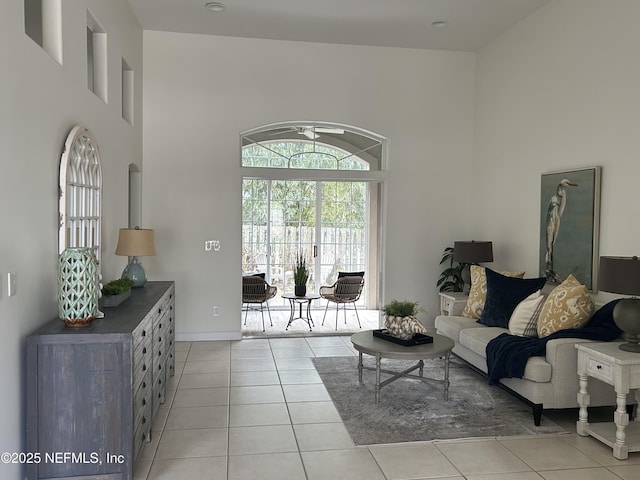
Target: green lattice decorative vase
(77,287)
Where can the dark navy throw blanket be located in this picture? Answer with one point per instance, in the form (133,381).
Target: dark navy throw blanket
(507,355)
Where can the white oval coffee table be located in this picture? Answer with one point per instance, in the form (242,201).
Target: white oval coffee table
(365,342)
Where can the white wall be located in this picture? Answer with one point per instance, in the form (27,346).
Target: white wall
(202,91)
(41,101)
(559,91)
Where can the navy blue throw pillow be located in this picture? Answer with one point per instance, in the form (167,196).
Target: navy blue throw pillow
(503,296)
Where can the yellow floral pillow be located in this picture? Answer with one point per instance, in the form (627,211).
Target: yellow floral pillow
(478,292)
(569,305)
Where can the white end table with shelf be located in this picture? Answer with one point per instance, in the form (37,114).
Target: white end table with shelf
(607,363)
(452,303)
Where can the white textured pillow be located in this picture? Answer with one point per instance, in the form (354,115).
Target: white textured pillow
(524,319)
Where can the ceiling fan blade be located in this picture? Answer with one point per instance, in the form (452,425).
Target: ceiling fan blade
(283,131)
(308,131)
(337,131)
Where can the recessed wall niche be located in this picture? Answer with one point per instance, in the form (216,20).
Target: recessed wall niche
(127,92)
(43,24)
(96,57)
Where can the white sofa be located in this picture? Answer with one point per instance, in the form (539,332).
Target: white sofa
(549,382)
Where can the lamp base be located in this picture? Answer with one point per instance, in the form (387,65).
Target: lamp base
(465,274)
(626,315)
(630,347)
(135,273)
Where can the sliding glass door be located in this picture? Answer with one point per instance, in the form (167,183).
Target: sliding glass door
(325,221)
(342,229)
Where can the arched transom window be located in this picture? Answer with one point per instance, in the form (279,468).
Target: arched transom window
(314,146)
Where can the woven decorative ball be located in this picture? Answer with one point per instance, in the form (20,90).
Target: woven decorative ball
(77,287)
(404,327)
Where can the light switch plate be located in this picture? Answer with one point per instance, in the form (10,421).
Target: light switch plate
(212,245)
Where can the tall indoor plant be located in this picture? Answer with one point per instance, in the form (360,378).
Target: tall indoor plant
(451,277)
(300,277)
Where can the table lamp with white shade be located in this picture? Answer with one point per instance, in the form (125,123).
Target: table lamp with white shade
(134,243)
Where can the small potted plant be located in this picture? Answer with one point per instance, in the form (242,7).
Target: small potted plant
(300,277)
(116,292)
(400,319)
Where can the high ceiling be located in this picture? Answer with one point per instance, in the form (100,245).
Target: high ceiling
(470,24)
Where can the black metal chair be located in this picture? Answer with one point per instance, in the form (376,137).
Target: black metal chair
(256,291)
(347,289)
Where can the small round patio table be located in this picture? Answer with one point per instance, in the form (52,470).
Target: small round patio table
(365,342)
(293,299)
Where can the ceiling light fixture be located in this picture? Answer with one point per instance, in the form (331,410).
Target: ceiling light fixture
(439,23)
(215,6)
(309,133)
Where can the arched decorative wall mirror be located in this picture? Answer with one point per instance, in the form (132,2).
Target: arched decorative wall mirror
(80,191)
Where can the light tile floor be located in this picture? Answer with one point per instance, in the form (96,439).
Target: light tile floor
(256,409)
(369,319)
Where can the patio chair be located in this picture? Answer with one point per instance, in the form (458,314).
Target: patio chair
(328,268)
(256,291)
(261,262)
(346,289)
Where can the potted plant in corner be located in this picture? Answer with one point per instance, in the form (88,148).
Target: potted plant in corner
(116,292)
(300,277)
(400,319)
(451,277)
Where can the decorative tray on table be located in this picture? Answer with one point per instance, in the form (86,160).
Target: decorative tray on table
(417,339)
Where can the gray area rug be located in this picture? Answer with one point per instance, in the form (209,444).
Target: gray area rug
(411,410)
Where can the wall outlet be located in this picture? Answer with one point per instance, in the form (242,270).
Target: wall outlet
(216,311)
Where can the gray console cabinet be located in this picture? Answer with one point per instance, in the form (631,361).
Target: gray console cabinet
(92,392)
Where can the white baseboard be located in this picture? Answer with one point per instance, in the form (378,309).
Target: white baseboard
(208,336)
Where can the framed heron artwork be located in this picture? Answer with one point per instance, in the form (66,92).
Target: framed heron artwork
(569,225)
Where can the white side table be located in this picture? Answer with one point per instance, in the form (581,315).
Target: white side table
(609,364)
(452,303)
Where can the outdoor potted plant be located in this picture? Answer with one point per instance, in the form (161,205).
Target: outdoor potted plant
(300,277)
(400,319)
(116,292)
